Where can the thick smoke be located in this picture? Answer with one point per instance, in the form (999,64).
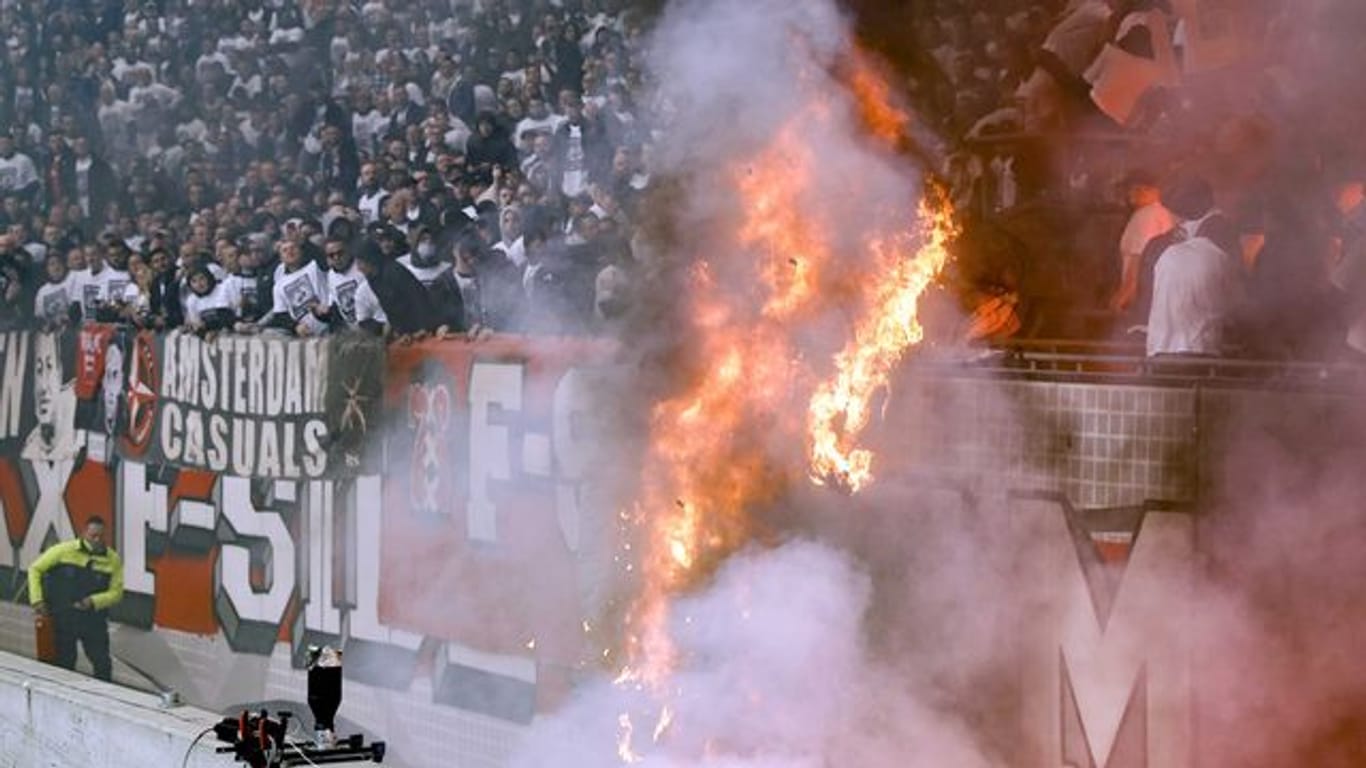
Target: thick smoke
(903,655)
(776,674)
(732,76)
(776,666)
(1281,602)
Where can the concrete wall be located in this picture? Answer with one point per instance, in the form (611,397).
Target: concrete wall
(58,719)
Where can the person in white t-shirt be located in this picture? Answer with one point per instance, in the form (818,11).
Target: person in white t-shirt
(208,304)
(367,123)
(301,298)
(90,286)
(539,120)
(52,303)
(370,194)
(116,276)
(18,174)
(1150,219)
(1198,286)
(353,301)
(137,295)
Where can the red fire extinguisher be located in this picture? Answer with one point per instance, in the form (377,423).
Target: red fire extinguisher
(45,635)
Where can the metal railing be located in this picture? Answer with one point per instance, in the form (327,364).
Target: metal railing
(1117,363)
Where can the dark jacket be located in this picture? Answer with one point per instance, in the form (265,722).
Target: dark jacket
(335,168)
(165,300)
(104,187)
(404,300)
(399,120)
(460,100)
(448,302)
(495,149)
(560,290)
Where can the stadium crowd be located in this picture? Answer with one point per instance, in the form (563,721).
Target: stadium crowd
(1183,172)
(307,166)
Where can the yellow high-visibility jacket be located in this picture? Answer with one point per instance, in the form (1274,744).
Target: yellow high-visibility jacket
(69,571)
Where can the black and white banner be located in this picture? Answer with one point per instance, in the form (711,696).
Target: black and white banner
(32,382)
(253,406)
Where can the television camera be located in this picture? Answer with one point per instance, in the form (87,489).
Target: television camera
(261,741)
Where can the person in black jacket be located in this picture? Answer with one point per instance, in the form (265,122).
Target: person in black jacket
(448,301)
(567,60)
(165,311)
(405,302)
(335,165)
(403,111)
(90,182)
(490,146)
(460,97)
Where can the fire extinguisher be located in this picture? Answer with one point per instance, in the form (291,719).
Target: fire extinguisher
(45,635)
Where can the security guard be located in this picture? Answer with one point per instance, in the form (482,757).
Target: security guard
(75,582)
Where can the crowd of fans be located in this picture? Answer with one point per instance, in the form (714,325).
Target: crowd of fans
(312,165)
(1226,131)
(305,166)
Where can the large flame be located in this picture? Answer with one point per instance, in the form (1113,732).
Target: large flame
(719,447)
(703,470)
(841,407)
(905,264)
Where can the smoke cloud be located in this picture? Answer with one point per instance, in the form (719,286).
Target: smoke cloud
(890,644)
(1281,603)
(777,674)
(731,77)
(778,667)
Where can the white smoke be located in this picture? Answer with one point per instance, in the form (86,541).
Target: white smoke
(775,664)
(730,76)
(789,660)
(775,673)
(732,71)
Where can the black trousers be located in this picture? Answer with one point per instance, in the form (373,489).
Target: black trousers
(91,628)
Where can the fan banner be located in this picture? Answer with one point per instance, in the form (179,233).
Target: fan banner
(249,406)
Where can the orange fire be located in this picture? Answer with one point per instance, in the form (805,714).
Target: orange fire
(906,264)
(792,245)
(703,470)
(840,409)
(873,97)
(719,447)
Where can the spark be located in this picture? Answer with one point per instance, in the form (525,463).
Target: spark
(666,718)
(624,749)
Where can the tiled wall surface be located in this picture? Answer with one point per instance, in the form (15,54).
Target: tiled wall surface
(1101,446)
